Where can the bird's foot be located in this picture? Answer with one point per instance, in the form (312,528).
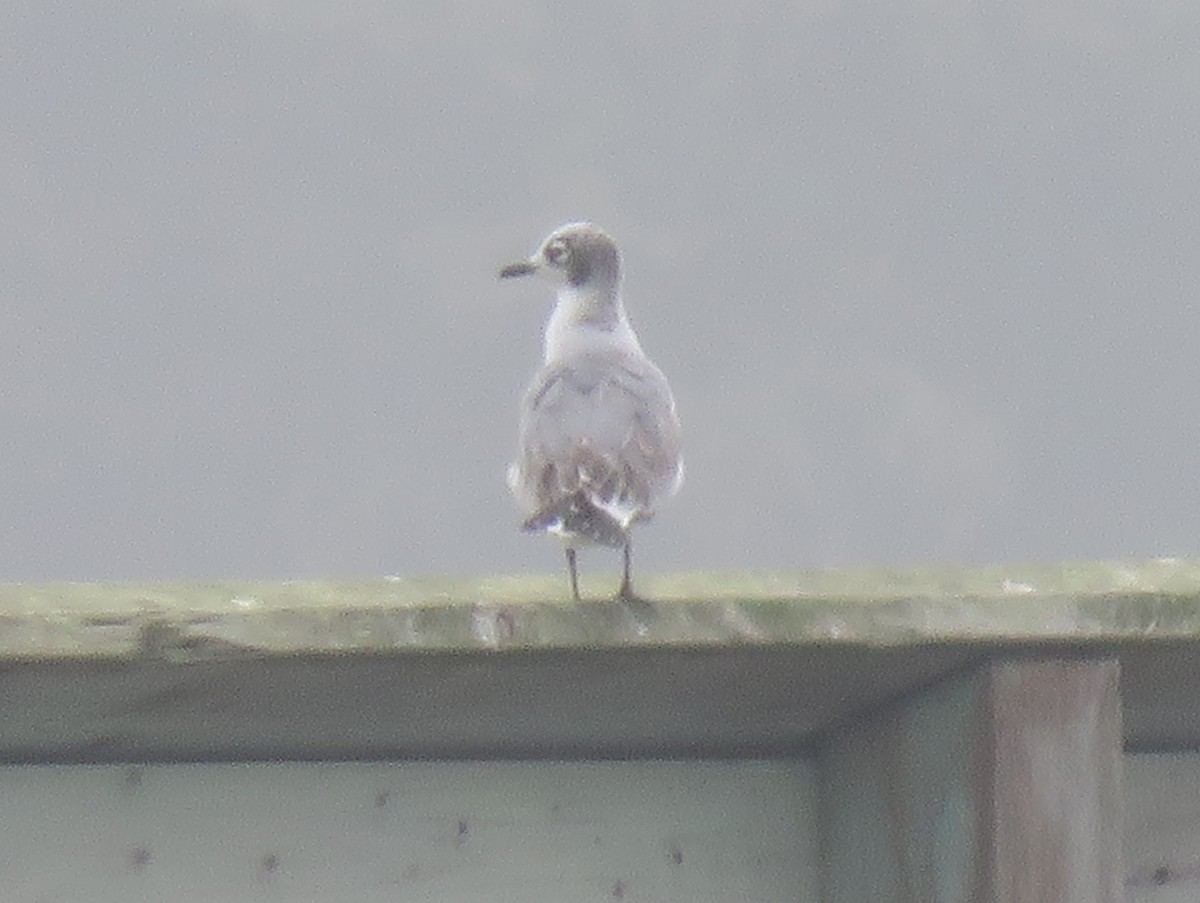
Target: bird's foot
(638,609)
(627,595)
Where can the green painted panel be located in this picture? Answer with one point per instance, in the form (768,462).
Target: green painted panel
(899,808)
(467,832)
(1003,784)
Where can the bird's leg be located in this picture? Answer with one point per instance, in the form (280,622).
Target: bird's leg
(626,591)
(571,571)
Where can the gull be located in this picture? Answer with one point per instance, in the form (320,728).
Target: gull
(598,442)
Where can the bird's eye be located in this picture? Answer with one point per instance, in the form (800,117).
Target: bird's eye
(557,252)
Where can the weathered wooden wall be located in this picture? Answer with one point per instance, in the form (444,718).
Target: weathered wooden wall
(1162,827)
(1001,784)
(944,735)
(360,833)
(666,831)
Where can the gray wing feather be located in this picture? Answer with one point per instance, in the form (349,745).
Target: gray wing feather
(603,424)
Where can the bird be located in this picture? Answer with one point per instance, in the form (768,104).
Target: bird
(598,442)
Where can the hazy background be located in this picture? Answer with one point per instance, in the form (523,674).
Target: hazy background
(923,274)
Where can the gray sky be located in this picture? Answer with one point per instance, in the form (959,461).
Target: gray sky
(924,277)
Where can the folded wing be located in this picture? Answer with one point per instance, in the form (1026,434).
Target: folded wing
(598,446)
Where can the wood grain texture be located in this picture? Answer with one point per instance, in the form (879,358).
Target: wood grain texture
(997,786)
(1056,805)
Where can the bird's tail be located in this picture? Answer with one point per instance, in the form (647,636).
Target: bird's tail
(578,515)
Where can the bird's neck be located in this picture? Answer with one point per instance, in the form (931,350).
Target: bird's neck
(587,319)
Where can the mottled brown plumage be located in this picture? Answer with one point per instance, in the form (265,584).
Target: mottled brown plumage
(599,443)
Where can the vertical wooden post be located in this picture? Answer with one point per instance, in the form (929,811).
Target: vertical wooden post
(998,786)
(1057,803)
